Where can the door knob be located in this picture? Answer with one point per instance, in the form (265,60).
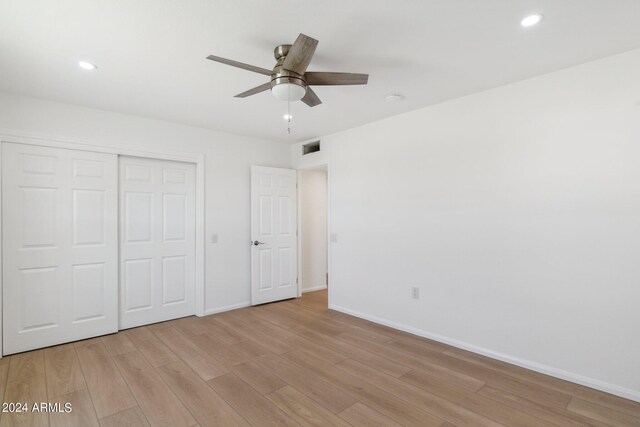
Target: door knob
(256,243)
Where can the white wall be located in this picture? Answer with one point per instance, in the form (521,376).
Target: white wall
(313,228)
(517,213)
(228,159)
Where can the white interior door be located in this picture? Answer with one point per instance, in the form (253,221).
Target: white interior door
(274,223)
(157,240)
(59,245)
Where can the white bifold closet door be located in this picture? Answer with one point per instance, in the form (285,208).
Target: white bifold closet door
(157,240)
(60,245)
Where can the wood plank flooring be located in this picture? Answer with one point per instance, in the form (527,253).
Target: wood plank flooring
(288,364)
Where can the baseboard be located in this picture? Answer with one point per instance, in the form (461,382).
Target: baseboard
(226,308)
(315,288)
(534,366)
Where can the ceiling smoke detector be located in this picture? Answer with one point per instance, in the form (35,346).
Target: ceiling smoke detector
(394,97)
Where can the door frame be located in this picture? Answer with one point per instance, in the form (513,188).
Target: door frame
(100,147)
(327,165)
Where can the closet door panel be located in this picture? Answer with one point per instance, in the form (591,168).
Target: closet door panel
(60,245)
(157,234)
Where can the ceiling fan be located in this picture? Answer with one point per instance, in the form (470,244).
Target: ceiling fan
(290,79)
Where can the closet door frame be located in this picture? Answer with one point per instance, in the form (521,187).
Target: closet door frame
(74,144)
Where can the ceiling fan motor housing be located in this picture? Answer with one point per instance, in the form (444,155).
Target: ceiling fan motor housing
(285,84)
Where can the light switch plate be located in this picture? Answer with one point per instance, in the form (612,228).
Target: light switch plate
(334,237)
(214,238)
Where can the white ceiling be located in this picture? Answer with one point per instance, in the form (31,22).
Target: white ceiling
(151,53)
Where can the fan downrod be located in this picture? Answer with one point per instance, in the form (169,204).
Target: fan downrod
(281,51)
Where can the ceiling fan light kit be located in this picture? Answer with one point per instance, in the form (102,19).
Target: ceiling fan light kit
(290,80)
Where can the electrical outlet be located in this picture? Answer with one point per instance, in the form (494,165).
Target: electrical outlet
(334,237)
(415,292)
(214,238)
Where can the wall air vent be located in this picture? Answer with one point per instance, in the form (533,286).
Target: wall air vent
(311,147)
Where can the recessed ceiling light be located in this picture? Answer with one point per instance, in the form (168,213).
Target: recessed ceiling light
(394,97)
(87,65)
(531,20)
(287,117)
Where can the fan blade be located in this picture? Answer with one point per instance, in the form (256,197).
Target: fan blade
(240,65)
(300,54)
(258,89)
(326,79)
(310,98)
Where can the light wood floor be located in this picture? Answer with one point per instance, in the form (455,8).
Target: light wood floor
(290,363)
